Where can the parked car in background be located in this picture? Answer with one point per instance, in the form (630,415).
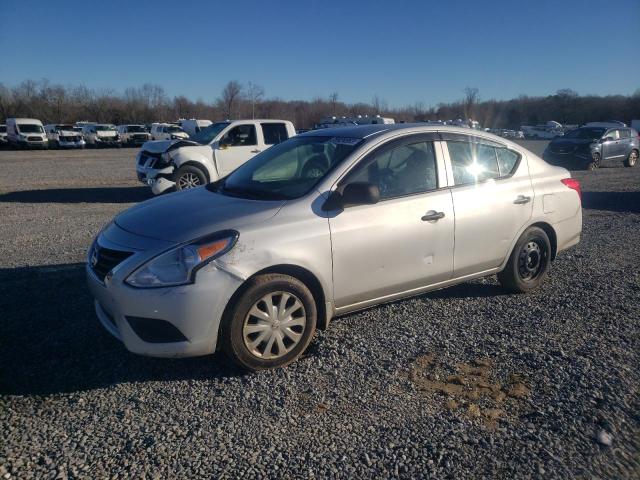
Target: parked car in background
(64,136)
(3,136)
(101,135)
(254,263)
(133,135)
(590,147)
(210,154)
(193,126)
(167,131)
(26,133)
(542,132)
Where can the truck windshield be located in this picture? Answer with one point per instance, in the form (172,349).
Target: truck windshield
(206,135)
(287,170)
(135,128)
(104,128)
(26,128)
(585,133)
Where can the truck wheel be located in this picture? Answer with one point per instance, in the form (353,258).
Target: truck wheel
(188,177)
(528,263)
(632,159)
(271,323)
(313,170)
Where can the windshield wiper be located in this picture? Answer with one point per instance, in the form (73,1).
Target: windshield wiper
(249,193)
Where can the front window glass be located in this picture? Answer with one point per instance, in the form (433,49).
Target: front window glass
(26,128)
(206,135)
(612,134)
(240,136)
(287,170)
(472,162)
(399,171)
(585,133)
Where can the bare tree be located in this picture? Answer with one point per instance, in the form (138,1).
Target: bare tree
(254,93)
(471,98)
(230,95)
(333,98)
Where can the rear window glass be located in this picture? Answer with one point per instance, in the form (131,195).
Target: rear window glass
(274,133)
(472,162)
(507,161)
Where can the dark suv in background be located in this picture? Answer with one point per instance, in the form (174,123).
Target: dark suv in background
(589,147)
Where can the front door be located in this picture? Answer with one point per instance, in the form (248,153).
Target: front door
(493,200)
(405,241)
(611,147)
(237,146)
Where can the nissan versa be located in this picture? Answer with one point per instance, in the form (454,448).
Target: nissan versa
(253,263)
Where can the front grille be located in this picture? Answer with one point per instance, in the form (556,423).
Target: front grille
(140,136)
(149,160)
(103,260)
(69,139)
(34,139)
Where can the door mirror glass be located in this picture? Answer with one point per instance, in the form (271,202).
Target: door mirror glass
(607,139)
(360,193)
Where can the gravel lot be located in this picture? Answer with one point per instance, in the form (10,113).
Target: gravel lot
(463,382)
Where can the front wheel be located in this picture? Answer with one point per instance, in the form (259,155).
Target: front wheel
(595,162)
(632,159)
(529,262)
(271,323)
(188,177)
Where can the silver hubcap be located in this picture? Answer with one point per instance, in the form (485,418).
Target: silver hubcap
(188,180)
(632,158)
(314,173)
(274,325)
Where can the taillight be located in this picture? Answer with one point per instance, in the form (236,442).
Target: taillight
(573,184)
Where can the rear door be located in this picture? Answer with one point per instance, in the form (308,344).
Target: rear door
(405,241)
(492,198)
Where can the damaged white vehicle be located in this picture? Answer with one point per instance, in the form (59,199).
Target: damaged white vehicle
(209,155)
(64,136)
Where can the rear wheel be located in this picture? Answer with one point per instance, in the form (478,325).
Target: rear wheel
(529,262)
(188,177)
(271,323)
(632,159)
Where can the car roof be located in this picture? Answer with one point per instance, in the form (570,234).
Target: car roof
(366,131)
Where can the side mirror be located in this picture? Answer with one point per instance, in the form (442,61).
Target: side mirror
(223,146)
(356,193)
(606,139)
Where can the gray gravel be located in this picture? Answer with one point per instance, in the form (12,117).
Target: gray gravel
(75,404)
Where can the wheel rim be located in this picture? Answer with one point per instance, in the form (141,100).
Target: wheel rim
(632,158)
(274,325)
(189,180)
(314,172)
(531,261)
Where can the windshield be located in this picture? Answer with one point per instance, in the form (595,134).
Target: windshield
(287,170)
(104,128)
(206,135)
(64,127)
(135,128)
(25,128)
(585,133)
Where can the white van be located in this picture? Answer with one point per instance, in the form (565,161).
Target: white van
(167,131)
(26,133)
(3,136)
(193,126)
(210,154)
(100,135)
(63,136)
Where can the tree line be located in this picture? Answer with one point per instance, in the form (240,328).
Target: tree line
(54,103)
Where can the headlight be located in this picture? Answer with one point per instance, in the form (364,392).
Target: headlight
(165,158)
(179,265)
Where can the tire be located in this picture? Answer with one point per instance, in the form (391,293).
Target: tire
(313,169)
(188,177)
(595,164)
(528,263)
(240,327)
(632,159)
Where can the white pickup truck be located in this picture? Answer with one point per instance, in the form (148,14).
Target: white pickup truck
(210,154)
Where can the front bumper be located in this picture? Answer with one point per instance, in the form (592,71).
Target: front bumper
(576,159)
(194,310)
(158,179)
(63,144)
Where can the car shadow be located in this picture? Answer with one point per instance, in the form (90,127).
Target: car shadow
(80,195)
(627,202)
(51,341)
(467,290)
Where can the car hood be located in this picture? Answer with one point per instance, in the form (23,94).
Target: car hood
(106,133)
(161,146)
(190,214)
(68,133)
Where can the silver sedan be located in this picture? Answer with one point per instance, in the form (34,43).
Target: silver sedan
(326,223)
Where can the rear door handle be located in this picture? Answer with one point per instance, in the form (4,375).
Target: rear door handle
(256,151)
(432,216)
(522,199)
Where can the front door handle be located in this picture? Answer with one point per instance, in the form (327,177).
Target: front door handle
(256,151)
(432,216)
(522,199)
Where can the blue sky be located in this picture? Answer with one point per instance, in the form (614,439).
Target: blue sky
(402,51)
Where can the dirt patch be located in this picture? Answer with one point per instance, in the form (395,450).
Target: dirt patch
(470,388)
